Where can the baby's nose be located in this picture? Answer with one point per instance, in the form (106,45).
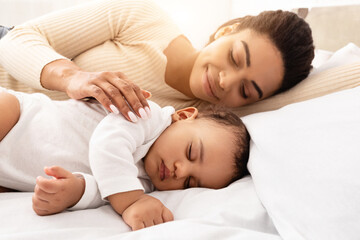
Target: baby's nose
(181,170)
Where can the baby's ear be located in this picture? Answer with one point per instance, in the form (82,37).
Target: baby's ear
(185,113)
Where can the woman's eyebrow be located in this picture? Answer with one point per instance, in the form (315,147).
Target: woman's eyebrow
(247,53)
(247,56)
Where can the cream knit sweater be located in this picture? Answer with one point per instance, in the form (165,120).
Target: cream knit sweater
(127,36)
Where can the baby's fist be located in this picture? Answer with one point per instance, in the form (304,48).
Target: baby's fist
(56,194)
(146,212)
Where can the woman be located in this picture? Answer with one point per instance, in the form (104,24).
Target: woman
(110,50)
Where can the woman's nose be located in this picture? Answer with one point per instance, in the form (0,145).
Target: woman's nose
(227,81)
(222,80)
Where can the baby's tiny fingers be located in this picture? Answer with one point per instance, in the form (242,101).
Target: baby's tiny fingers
(47,185)
(167,215)
(137,225)
(40,194)
(158,220)
(39,206)
(41,212)
(57,172)
(149,222)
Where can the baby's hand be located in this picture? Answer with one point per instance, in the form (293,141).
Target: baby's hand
(57,194)
(146,212)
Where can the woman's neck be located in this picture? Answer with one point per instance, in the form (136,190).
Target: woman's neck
(181,56)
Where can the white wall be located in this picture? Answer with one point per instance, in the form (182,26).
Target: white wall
(14,12)
(245,7)
(197,18)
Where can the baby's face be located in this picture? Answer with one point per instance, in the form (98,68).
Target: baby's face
(192,153)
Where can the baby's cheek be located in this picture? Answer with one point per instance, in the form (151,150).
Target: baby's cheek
(168,185)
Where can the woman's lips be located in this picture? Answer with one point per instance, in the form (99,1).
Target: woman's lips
(164,172)
(207,86)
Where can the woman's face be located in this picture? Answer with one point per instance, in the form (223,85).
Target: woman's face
(237,69)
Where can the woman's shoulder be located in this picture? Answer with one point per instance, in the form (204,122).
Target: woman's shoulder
(144,17)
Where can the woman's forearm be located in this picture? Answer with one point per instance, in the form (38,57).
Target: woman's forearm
(55,75)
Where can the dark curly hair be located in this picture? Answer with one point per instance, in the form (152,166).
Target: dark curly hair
(235,125)
(290,34)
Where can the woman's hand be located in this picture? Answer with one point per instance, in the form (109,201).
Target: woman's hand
(55,195)
(112,89)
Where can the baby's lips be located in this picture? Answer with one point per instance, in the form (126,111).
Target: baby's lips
(167,172)
(162,171)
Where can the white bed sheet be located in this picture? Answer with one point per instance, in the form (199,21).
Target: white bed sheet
(231,213)
(234,212)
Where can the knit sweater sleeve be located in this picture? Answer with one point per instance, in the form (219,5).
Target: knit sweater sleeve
(65,34)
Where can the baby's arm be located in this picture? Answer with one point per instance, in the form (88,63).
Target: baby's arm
(140,210)
(115,150)
(55,195)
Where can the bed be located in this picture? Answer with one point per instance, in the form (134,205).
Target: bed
(304,164)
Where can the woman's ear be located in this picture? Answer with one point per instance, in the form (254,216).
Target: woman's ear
(225,30)
(185,113)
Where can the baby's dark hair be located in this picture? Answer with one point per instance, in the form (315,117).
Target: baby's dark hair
(233,123)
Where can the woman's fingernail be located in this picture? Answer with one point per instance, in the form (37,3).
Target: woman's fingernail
(132,117)
(143,114)
(147,95)
(114,109)
(148,112)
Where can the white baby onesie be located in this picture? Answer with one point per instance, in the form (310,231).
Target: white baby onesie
(58,133)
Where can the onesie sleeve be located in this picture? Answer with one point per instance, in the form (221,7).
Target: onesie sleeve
(64,34)
(114,144)
(91,197)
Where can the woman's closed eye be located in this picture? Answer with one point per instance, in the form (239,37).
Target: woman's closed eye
(232,58)
(243,90)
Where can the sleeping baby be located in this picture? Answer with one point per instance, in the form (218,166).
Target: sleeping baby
(97,157)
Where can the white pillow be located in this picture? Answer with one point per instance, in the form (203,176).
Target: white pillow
(321,57)
(324,60)
(305,164)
